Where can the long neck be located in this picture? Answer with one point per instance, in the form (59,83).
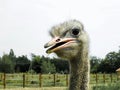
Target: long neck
(79,71)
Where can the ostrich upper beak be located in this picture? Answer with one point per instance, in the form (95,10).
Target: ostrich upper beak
(58,43)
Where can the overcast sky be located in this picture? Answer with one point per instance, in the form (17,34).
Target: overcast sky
(24,24)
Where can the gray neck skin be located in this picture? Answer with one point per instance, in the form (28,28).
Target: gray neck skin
(79,71)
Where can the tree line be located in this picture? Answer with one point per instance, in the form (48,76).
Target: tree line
(10,63)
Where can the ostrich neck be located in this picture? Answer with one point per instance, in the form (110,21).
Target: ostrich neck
(79,71)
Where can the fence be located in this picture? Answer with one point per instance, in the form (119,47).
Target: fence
(48,80)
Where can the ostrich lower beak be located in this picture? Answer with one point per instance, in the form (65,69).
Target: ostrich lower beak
(57,44)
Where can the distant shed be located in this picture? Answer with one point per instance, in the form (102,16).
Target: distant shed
(118,72)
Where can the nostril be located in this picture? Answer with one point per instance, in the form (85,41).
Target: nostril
(58,40)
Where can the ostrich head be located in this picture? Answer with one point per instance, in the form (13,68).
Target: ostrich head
(68,39)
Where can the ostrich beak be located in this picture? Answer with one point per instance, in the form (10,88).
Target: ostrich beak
(58,43)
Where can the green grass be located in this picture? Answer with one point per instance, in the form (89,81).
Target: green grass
(43,88)
(112,86)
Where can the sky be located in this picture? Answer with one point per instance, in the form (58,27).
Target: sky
(24,24)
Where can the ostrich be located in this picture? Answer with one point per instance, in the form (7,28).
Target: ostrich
(70,41)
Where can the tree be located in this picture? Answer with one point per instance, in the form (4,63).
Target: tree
(11,53)
(94,63)
(42,64)
(48,67)
(12,58)
(62,66)
(36,63)
(110,63)
(6,64)
(22,64)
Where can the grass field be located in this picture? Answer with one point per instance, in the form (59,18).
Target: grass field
(56,82)
(95,87)
(44,88)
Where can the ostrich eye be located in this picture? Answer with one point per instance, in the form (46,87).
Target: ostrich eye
(75,31)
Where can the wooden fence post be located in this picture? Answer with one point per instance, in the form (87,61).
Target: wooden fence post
(104,77)
(66,79)
(117,77)
(26,79)
(57,76)
(23,80)
(111,77)
(40,79)
(4,80)
(1,77)
(54,79)
(12,75)
(96,78)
